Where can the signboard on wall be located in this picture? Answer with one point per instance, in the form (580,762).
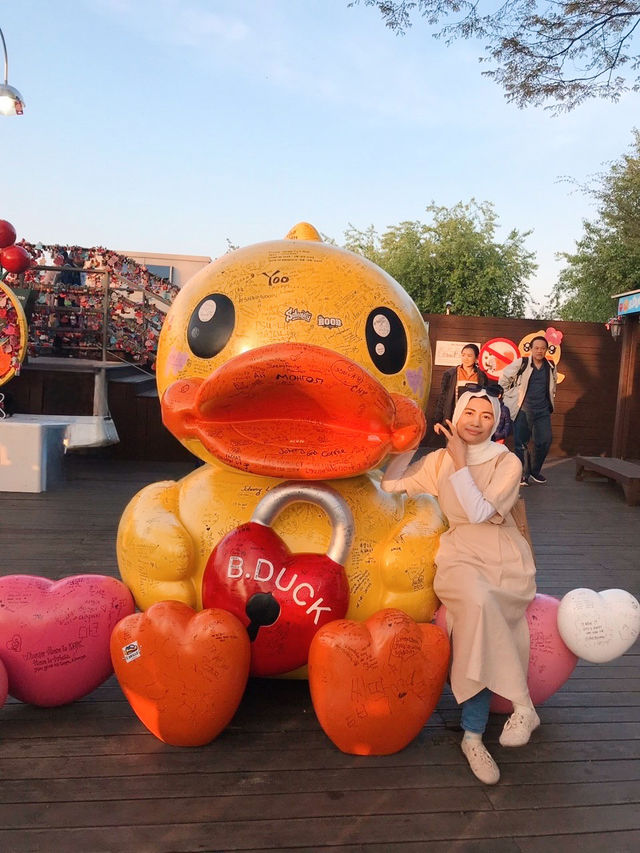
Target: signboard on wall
(629,304)
(448,352)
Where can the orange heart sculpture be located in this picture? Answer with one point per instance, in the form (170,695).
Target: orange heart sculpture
(183,672)
(375,684)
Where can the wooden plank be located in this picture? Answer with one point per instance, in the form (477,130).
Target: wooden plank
(231,744)
(194,809)
(441,751)
(597,842)
(369,778)
(109,722)
(586,700)
(264,834)
(548,714)
(553,796)
(493,845)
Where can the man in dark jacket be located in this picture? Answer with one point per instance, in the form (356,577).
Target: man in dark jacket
(529,392)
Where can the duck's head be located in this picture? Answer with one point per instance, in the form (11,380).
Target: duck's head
(294,358)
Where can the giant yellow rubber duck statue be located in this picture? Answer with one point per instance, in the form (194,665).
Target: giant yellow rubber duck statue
(289,360)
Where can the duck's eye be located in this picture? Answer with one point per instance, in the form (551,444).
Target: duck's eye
(551,350)
(211,325)
(527,346)
(386,340)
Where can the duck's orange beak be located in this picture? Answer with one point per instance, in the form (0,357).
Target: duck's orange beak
(293,410)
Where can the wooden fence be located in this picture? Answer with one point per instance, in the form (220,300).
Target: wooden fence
(586,398)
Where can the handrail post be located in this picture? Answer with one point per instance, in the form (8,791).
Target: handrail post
(105,313)
(145,319)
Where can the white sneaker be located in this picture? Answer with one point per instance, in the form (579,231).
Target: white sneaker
(518,728)
(480,761)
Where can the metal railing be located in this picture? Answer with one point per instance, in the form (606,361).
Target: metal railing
(63,315)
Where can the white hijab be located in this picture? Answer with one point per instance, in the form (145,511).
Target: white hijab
(479,453)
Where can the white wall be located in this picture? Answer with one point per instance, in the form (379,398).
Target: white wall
(184,266)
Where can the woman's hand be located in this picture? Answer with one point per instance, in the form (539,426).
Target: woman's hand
(392,479)
(456,446)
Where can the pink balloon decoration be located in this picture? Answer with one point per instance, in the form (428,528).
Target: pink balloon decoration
(550,661)
(54,635)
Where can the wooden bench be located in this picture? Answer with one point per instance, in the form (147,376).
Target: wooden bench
(623,472)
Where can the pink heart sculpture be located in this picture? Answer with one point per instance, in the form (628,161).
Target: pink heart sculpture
(550,661)
(54,635)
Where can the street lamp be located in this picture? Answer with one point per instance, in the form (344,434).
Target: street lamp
(614,325)
(11,102)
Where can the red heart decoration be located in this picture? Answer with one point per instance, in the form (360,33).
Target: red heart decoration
(282,598)
(54,635)
(183,672)
(375,684)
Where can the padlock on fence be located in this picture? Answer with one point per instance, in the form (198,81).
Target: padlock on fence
(283,598)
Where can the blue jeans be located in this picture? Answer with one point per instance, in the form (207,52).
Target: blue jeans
(536,425)
(475,712)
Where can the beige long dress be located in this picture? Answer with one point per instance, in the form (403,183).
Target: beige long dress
(485,576)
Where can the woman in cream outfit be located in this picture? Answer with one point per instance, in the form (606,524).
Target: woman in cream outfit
(485,571)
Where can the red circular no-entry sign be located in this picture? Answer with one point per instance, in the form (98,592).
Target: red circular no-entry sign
(496,354)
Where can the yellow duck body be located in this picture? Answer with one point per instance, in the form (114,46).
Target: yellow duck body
(274,363)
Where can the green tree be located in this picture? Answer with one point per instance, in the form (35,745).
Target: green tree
(607,256)
(454,258)
(562,51)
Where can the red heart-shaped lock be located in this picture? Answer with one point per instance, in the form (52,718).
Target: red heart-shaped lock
(282,598)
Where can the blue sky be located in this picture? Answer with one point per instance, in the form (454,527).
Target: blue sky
(174,125)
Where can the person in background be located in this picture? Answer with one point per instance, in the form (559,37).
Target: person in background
(69,277)
(529,392)
(78,258)
(50,277)
(485,573)
(455,380)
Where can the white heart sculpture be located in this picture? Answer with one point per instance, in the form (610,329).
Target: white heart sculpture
(599,626)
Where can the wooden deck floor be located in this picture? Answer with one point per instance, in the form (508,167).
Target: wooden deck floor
(88,777)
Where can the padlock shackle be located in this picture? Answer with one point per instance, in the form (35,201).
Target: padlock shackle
(323,496)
